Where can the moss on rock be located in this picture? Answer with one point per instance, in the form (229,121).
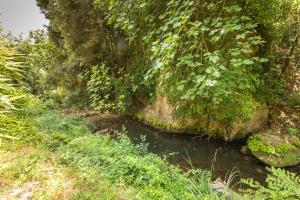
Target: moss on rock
(275,150)
(161,115)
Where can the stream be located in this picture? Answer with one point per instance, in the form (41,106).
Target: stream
(190,151)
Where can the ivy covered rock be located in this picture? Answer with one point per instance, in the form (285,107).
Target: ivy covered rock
(276,150)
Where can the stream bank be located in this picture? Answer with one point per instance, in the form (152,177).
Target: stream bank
(190,151)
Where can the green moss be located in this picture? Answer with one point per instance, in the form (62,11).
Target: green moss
(284,148)
(257,143)
(180,128)
(290,158)
(158,123)
(275,150)
(188,128)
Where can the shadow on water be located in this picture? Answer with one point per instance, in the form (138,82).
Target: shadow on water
(187,150)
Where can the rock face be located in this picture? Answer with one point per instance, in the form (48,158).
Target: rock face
(222,190)
(245,150)
(160,113)
(276,150)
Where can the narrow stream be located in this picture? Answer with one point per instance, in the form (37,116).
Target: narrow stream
(196,152)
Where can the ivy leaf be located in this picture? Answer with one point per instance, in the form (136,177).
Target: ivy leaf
(159,64)
(237,27)
(216,74)
(210,83)
(248,62)
(214,58)
(241,36)
(209,70)
(177,24)
(180,87)
(235,53)
(264,60)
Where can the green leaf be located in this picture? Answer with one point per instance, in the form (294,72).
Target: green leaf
(180,87)
(214,58)
(177,24)
(235,53)
(248,62)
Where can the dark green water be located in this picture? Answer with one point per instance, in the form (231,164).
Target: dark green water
(199,152)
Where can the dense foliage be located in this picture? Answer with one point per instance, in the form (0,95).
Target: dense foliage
(202,62)
(103,167)
(218,60)
(42,61)
(215,59)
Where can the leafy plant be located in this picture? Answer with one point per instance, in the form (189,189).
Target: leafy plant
(194,66)
(281,184)
(42,63)
(100,89)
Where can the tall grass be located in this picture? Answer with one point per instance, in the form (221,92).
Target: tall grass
(128,168)
(118,162)
(150,177)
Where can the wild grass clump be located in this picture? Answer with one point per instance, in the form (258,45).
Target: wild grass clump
(102,168)
(116,163)
(149,176)
(34,171)
(49,122)
(41,126)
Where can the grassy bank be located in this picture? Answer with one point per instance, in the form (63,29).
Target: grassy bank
(49,155)
(54,156)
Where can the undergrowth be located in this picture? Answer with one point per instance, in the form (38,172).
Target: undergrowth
(150,176)
(117,163)
(92,166)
